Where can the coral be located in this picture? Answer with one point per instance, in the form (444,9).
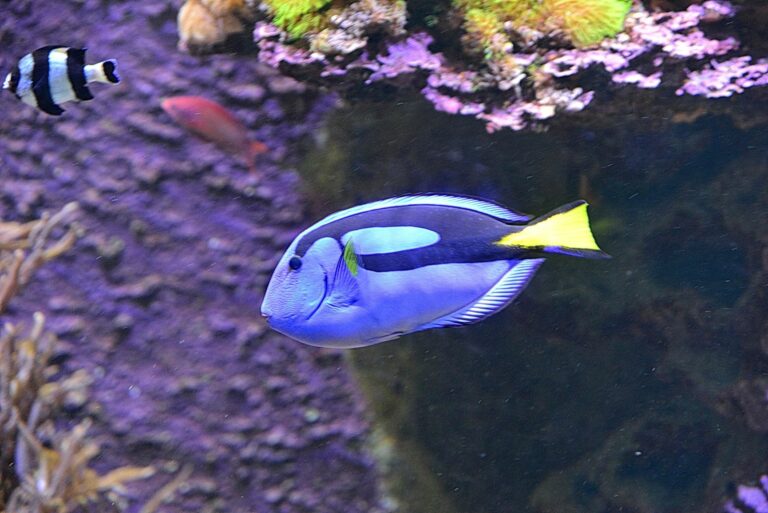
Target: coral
(528,76)
(349,29)
(22,376)
(38,476)
(297,17)
(204,24)
(726,78)
(484,30)
(749,499)
(583,22)
(59,479)
(25,246)
(588,21)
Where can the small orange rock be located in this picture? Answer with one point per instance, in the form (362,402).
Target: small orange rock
(224,8)
(205,23)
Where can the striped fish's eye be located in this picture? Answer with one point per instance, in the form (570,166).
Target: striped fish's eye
(294,263)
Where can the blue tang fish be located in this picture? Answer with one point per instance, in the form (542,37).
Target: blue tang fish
(378,271)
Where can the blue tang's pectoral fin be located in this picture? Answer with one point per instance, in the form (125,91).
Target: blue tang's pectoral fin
(504,292)
(345,290)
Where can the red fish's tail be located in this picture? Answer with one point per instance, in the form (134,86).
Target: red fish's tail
(255,148)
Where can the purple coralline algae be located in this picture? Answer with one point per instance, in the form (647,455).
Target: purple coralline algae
(535,82)
(721,79)
(406,57)
(750,499)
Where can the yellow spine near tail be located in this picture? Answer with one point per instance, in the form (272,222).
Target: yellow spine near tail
(566,227)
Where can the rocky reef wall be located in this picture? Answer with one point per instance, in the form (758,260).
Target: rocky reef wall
(159,300)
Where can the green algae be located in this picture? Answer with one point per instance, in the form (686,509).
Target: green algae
(484,26)
(590,21)
(298,17)
(585,22)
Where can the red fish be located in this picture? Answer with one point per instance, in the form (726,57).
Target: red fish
(213,122)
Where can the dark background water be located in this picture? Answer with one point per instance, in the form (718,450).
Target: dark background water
(609,385)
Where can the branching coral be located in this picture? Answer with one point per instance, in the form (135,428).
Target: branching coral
(26,246)
(42,469)
(39,476)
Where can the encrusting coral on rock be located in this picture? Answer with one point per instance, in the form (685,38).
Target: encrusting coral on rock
(579,22)
(520,63)
(750,499)
(299,16)
(204,25)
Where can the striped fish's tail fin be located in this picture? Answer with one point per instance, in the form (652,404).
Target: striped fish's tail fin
(104,71)
(564,230)
(109,67)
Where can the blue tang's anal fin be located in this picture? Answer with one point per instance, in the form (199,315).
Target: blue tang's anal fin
(504,292)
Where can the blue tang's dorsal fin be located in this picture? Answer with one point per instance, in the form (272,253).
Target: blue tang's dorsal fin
(466,202)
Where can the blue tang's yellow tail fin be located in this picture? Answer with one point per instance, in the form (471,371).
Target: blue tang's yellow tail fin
(564,230)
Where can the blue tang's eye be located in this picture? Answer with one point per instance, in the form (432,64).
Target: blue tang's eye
(294,263)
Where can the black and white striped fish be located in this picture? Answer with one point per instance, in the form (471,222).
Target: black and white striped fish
(52,75)
(378,271)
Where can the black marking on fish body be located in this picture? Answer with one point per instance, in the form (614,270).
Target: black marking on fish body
(13,85)
(76,73)
(466,236)
(455,252)
(41,86)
